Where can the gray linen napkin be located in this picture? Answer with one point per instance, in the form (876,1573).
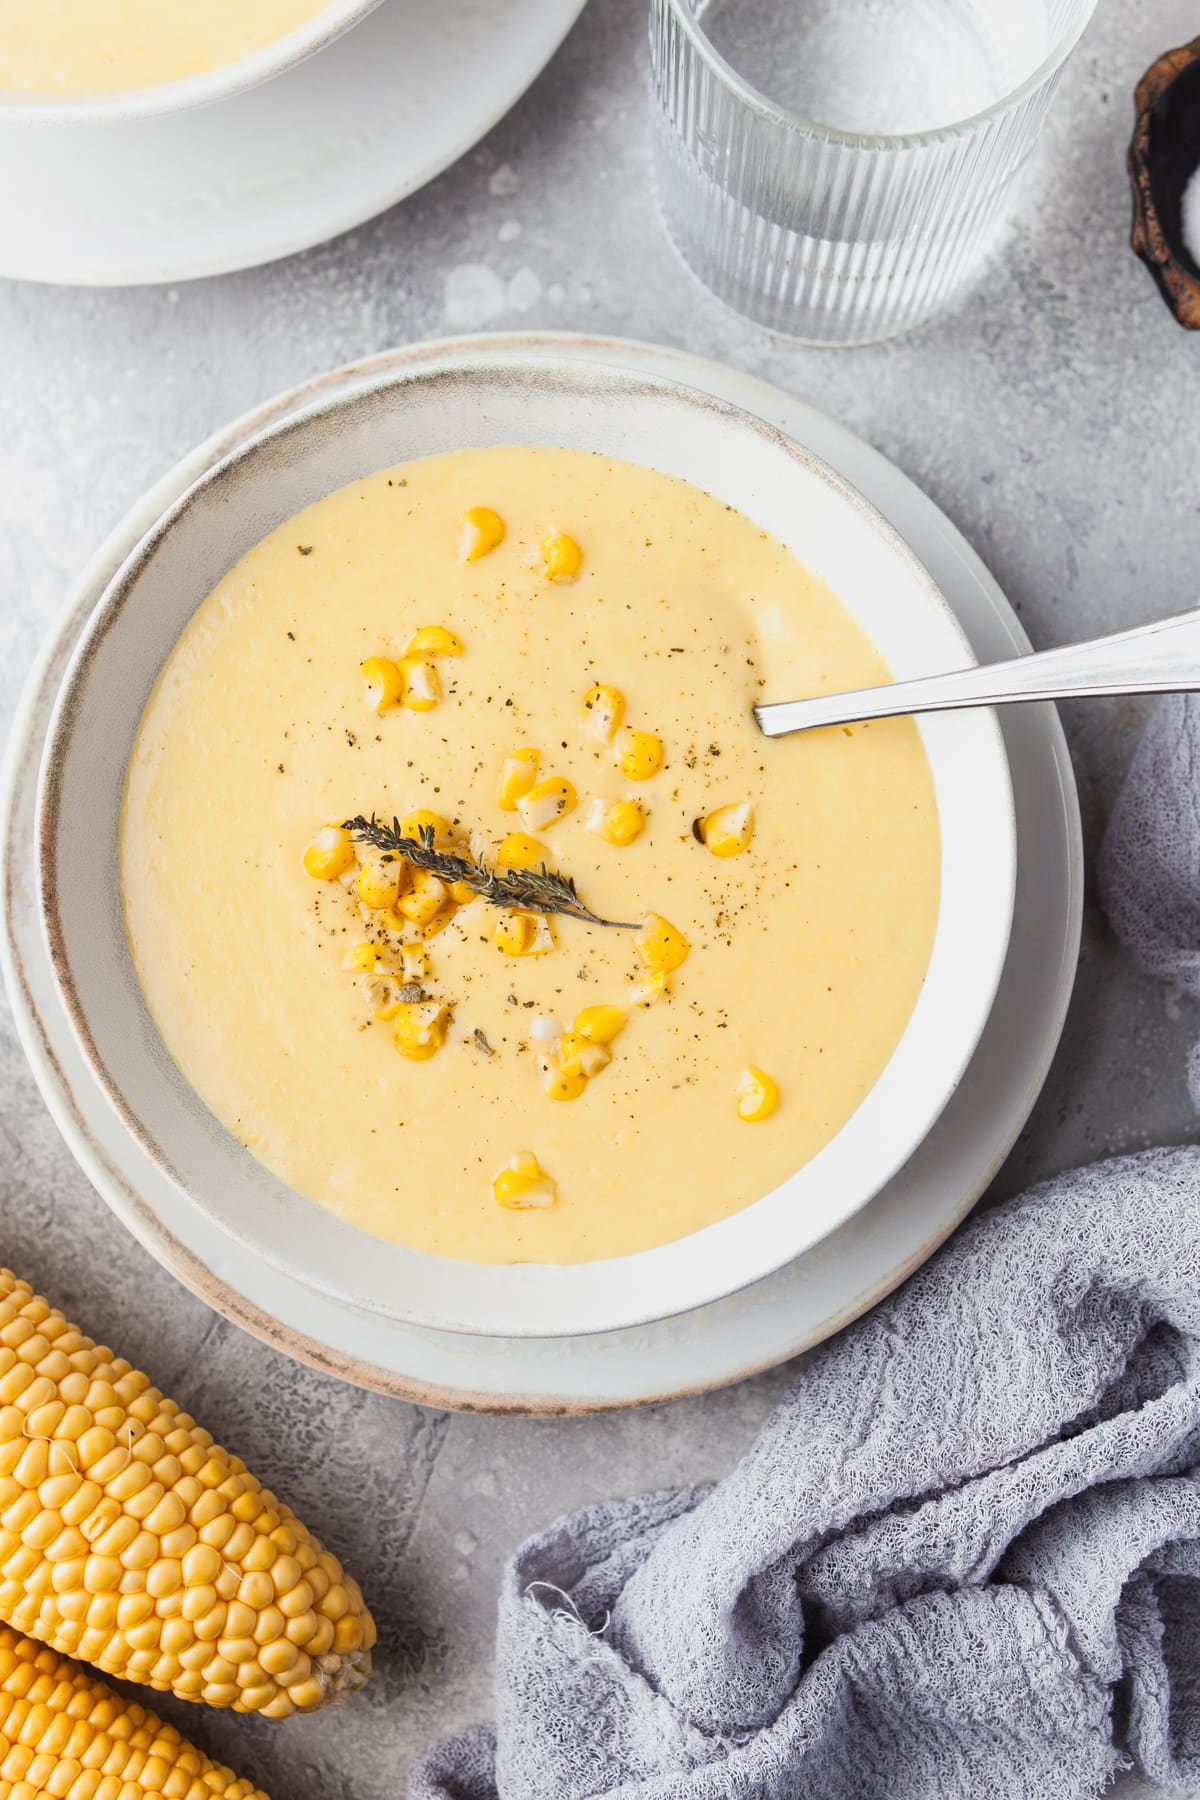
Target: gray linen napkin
(958,1562)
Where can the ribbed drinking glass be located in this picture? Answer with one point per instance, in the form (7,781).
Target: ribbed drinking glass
(856,229)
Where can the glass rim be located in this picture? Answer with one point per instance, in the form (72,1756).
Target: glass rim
(754,97)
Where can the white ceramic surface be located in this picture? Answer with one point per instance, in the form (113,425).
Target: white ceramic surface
(330,142)
(765,1324)
(48,111)
(470,397)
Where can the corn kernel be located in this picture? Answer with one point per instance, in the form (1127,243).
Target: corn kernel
(562,558)
(462,893)
(380,879)
(649,989)
(424,899)
(602,712)
(660,945)
(330,854)
(420,1029)
(524,934)
(561,1083)
(639,753)
(363,958)
(434,640)
(578,1052)
(729,830)
(757,1095)
(517,775)
(384,682)
(520,851)
(421,820)
(422,684)
(546,802)
(616,821)
(600,1024)
(482,531)
(522,1183)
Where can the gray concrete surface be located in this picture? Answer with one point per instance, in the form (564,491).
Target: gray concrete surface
(1050,415)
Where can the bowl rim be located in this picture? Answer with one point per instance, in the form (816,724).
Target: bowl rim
(470,358)
(206,88)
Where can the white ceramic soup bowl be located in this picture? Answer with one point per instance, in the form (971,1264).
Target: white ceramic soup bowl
(204,89)
(472,396)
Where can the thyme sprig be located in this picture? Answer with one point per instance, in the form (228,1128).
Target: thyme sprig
(522,890)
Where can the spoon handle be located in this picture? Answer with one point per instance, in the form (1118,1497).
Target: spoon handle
(1162,658)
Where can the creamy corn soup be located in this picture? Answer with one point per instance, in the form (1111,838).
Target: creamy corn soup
(104,46)
(397,730)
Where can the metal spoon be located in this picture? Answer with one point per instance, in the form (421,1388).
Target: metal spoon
(1163,658)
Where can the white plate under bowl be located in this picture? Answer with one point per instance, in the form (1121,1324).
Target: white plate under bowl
(802,1303)
(467,399)
(325,145)
(49,111)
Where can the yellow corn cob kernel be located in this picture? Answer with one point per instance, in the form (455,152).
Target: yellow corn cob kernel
(384,682)
(434,640)
(523,1183)
(616,821)
(561,1083)
(441,919)
(167,1528)
(514,934)
(649,989)
(639,753)
(363,957)
(520,851)
(562,558)
(482,530)
(546,802)
(578,1052)
(381,879)
(757,1095)
(414,824)
(425,898)
(63,1733)
(661,946)
(600,1024)
(602,712)
(421,1027)
(414,961)
(391,919)
(729,830)
(462,893)
(518,773)
(422,684)
(330,854)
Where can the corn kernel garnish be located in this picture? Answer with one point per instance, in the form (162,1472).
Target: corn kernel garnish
(518,773)
(562,558)
(661,945)
(462,893)
(522,1183)
(363,958)
(434,640)
(562,1083)
(757,1095)
(520,851)
(422,684)
(482,531)
(649,989)
(602,712)
(380,880)
(600,1024)
(424,899)
(639,753)
(729,830)
(546,802)
(414,823)
(384,682)
(420,1028)
(514,934)
(616,821)
(330,854)
(578,1052)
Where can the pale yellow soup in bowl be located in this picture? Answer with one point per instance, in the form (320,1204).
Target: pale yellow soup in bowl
(108,46)
(561,654)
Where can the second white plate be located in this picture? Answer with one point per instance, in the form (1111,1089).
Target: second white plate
(803,1303)
(332,142)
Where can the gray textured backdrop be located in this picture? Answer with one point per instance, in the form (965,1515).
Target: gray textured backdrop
(1052,417)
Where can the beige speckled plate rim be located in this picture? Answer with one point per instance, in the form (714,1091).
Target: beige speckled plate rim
(22,757)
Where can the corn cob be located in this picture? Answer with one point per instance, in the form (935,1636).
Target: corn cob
(132,1541)
(63,1734)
